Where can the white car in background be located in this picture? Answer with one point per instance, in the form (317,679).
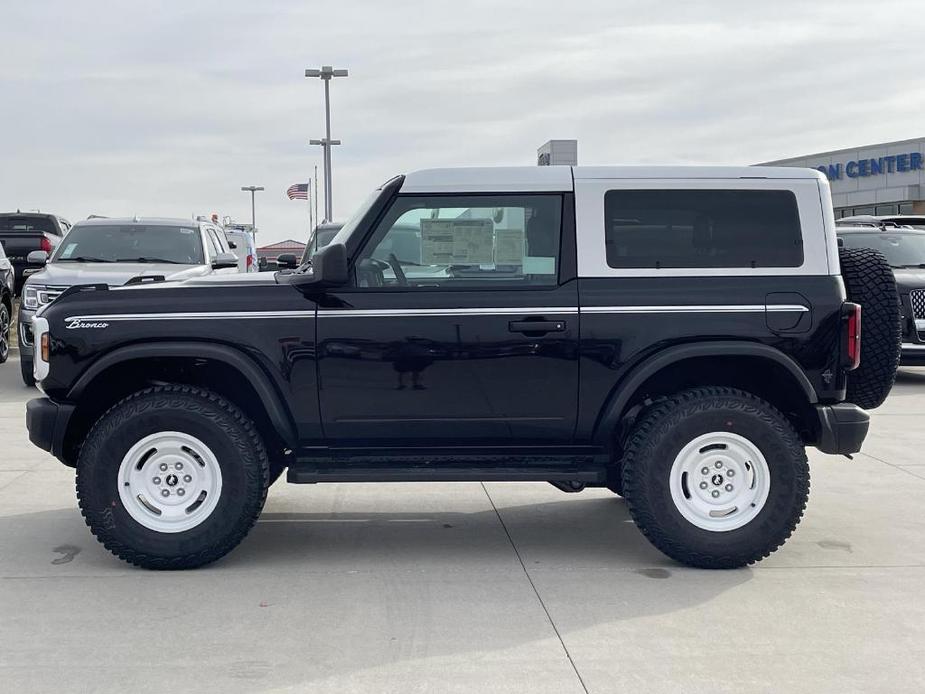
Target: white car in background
(242,244)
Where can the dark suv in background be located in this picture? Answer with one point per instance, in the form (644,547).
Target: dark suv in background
(24,232)
(6,304)
(916,221)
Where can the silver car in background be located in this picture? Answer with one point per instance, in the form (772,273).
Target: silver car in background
(117,252)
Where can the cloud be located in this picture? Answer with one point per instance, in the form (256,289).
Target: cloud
(167,109)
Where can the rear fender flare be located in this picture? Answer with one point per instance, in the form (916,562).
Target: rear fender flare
(629,384)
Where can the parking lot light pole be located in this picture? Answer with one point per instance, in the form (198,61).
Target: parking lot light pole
(326,73)
(252,190)
(326,145)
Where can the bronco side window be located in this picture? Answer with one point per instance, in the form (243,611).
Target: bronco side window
(465,241)
(702,228)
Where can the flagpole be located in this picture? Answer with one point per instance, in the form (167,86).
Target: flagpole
(316,192)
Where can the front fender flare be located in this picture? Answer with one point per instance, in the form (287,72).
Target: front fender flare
(276,410)
(627,386)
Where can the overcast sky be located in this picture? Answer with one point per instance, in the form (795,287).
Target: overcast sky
(168,108)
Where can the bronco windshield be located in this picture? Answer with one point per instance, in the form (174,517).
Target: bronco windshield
(131,243)
(351,224)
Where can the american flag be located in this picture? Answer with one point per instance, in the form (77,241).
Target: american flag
(298,190)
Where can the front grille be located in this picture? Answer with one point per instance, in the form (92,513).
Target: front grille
(49,294)
(917,298)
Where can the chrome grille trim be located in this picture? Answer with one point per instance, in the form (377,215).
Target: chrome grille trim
(917,299)
(51,293)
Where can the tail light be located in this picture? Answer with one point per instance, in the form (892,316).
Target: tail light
(852,313)
(249,263)
(45,245)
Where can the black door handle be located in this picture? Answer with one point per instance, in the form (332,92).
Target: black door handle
(536,326)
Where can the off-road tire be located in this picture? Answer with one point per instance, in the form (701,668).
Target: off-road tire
(194,411)
(25,369)
(869,281)
(666,428)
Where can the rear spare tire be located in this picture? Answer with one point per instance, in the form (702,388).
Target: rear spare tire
(869,282)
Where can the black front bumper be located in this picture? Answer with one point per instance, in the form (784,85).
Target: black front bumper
(47,422)
(842,428)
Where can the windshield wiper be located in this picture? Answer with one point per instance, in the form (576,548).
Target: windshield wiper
(147,259)
(84,259)
(905,267)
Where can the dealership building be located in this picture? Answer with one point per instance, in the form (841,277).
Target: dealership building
(882,179)
(876,179)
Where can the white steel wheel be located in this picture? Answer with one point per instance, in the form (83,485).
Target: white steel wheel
(720,481)
(170,482)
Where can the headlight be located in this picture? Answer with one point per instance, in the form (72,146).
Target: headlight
(34,295)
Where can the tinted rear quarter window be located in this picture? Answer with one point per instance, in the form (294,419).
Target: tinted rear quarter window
(702,228)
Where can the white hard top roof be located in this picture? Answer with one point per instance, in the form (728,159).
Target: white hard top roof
(496,179)
(559,178)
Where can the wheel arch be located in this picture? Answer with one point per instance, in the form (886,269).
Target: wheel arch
(164,361)
(632,388)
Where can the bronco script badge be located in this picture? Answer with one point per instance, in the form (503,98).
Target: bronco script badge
(78,323)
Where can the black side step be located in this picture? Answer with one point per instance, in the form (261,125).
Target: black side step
(541,471)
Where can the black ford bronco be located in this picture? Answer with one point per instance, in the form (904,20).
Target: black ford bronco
(676,335)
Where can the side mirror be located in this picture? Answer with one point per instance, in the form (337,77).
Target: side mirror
(223,260)
(232,245)
(328,269)
(287,261)
(37,257)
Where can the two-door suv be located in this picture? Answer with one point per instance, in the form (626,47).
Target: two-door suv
(677,335)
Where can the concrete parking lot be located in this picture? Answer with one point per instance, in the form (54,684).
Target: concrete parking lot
(470,587)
